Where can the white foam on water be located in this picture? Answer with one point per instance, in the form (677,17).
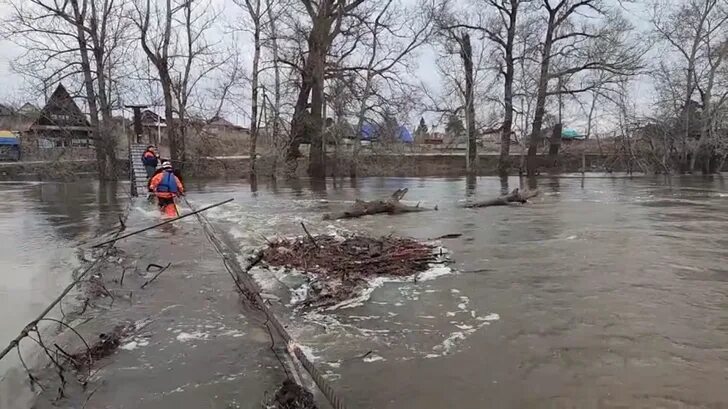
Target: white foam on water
(233,333)
(455,291)
(185,336)
(463,306)
(364,318)
(432,356)
(435,271)
(373,358)
(129,346)
(492,317)
(447,346)
(299,294)
(309,352)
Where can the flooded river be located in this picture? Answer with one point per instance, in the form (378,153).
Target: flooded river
(602,293)
(42,225)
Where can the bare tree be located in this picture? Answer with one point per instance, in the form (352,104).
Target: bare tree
(695,34)
(455,29)
(577,46)
(502,32)
(81,38)
(387,41)
(256,14)
(326,18)
(172,34)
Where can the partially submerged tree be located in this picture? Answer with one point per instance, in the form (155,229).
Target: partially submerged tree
(580,36)
(173,37)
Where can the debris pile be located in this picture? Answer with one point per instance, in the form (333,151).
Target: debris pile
(340,266)
(292,396)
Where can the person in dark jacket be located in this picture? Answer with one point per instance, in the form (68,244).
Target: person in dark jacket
(150,159)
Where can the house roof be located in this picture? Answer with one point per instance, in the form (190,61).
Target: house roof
(220,122)
(28,109)
(5,110)
(149,117)
(61,112)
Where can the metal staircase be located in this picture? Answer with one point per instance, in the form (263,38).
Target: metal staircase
(138,173)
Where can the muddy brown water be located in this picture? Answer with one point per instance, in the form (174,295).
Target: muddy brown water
(602,293)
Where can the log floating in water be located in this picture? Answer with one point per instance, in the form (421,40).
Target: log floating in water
(390,206)
(516,196)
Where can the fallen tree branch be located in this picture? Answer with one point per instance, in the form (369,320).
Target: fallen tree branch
(390,206)
(309,235)
(516,196)
(156,275)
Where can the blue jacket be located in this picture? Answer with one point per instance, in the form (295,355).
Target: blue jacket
(149,159)
(168,183)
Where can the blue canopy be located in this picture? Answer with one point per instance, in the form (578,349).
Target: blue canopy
(370,132)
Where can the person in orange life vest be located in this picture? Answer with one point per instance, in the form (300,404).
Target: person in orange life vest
(166,185)
(150,159)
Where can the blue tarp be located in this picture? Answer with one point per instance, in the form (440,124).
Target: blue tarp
(370,132)
(9,141)
(568,133)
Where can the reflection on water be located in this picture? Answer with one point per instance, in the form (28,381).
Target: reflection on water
(608,293)
(42,225)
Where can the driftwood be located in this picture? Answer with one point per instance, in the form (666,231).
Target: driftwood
(515,197)
(390,206)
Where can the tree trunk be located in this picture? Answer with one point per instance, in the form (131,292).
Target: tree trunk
(317,59)
(174,148)
(555,142)
(504,162)
(466,53)
(254,93)
(275,134)
(298,121)
(543,82)
(88,79)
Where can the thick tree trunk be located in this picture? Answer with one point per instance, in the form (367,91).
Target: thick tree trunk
(317,59)
(543,83)
(172,123)
(555,142)
(466,53)
(88,79)
(298,122)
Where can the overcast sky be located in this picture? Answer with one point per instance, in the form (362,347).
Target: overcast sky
(13,87)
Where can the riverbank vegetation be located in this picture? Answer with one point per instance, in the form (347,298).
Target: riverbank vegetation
(646,80)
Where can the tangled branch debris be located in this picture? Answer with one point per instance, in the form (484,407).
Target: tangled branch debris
(340,265)
(292,396)
(391,205)
(515,197)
